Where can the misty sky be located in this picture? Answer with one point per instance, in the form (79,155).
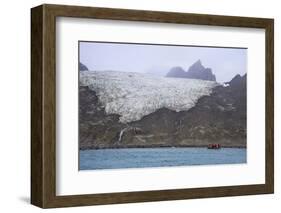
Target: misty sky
(158,59)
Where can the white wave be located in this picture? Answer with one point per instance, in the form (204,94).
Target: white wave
(134,95)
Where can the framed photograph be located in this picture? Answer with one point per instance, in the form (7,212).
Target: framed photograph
(137,106)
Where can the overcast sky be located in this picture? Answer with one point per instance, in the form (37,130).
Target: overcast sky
(158,59)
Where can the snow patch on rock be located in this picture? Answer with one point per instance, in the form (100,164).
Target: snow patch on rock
(134,95)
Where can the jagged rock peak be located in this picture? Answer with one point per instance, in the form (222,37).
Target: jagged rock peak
(238,82)
(176,72)
(238,78)
(198,63)
(83,67)
(198,71)
(195,71)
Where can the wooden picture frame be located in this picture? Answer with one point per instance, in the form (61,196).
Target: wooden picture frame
(43,105)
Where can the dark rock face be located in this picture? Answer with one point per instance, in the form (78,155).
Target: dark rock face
(198,71)
(238,81)
(218,118)
(82,67)
(195,71)
(96,129)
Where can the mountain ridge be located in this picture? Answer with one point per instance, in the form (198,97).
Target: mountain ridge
(82,67)
(216,118)
(195,71)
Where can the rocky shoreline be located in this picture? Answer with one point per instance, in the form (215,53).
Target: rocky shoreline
(156,146)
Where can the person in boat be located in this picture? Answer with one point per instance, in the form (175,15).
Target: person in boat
(214,146)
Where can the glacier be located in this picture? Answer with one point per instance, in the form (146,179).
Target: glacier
(135,95)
